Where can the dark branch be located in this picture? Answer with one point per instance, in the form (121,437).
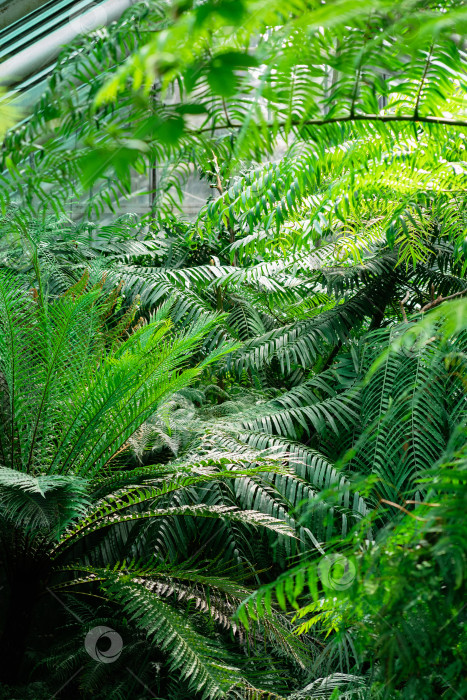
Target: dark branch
(384,118)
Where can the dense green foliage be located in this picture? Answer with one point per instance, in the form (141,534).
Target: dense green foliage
(235,446)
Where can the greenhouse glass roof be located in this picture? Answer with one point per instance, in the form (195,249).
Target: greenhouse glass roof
(32,34)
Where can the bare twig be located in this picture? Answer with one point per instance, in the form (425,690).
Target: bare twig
(401,304)
(422,81)
(424,503)
(385,118)
(227,117)
(436,302)
(404,510)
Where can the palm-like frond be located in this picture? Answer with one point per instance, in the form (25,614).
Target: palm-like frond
(41,503)
(293,301)
(57,407)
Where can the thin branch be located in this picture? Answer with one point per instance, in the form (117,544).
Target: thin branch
(440,299)
(424,503)
(401,304)
(227,117)
(422,81)
(385,118)
(399,507)
(280,320)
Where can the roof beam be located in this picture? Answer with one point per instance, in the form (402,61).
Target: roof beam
(13,10)
(29,61)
